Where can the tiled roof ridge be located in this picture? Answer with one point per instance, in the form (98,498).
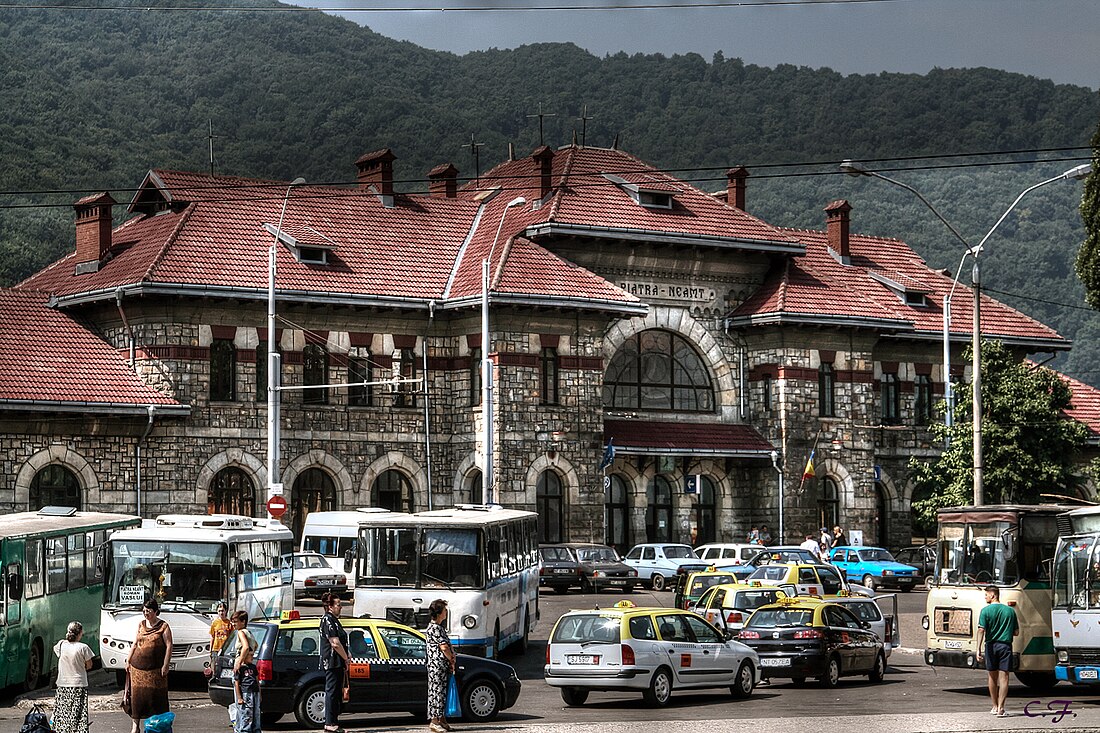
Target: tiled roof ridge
(784,282)
(217,177)
(854,235)
(168,241)
(48,268)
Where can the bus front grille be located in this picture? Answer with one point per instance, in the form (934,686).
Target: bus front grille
(952,621)
(409,617)
(1079,655)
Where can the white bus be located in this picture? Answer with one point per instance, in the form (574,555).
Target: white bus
(333,534)
(481,559)
(1076,607)
(189,563)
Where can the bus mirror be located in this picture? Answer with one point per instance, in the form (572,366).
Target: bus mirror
(349,561)
(493,551)
(15,587)
(1008,537)
(101,560)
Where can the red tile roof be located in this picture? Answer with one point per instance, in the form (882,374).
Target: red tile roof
(644,436)
(1084,405)
(816,287)
(50,357)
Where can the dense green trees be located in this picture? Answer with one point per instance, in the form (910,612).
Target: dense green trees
(94,99)
(1088,257)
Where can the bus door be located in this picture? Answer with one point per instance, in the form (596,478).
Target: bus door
(13,590)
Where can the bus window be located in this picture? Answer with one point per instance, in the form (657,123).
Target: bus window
(76,560)
(451,558)
(33,565)
(390,556)
(56,580)
(190,573)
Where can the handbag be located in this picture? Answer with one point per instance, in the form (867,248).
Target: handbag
(127,702)
(454,707)
(347,686)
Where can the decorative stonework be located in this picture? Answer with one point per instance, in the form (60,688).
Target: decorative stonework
(66,456)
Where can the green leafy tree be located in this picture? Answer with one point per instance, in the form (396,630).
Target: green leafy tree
(1088,257)
(1029,446)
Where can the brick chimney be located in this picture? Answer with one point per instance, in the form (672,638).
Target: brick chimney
(376,169)
(544,156)
(735,186)
(836,222)
(443,181)
(93,231)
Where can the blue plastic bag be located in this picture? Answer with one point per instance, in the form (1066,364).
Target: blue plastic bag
(454,707)
(159,723)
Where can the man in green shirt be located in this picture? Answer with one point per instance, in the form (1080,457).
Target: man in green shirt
(997,625)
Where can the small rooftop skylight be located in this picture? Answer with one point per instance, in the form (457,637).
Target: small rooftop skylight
(309,246)
(649,191)
(911,291)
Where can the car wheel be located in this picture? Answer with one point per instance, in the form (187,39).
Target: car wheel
(628,588)
(33,678)
(929,581)
(574,696)
(658,581)
(879,670)
(869,581)
(831,678)
(746,680)
(310,710)
(269,719)
(480,701)
(586,585)
(660,689)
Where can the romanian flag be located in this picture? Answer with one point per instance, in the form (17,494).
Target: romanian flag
(809,472)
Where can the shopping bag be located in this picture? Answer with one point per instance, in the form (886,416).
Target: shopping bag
(159,723)
(454,707)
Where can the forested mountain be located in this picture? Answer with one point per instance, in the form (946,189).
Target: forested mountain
(94,98)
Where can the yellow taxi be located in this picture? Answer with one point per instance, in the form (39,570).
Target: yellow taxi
(691,585)
(808,579)
(727,606)
(648,650)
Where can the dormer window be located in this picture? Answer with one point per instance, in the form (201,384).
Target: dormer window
(646,189)
(910,291)
(309,246)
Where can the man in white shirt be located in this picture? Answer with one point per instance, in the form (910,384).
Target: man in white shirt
(811,545)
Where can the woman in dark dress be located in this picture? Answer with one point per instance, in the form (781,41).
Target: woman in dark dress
(441,665)
(147,666)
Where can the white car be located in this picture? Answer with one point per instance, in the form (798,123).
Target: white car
(648,650)
(885,625)
(736,554)
(657,562)
(313,576)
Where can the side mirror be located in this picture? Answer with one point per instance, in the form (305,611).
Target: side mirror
(15,587)
(864,625)
(492,552)
(349,561)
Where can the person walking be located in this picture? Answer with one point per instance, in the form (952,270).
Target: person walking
(997,625)
(839,538)
(441,665)
(246,684)
(811,545)
(147,666)
(334,660)
(765,535)
(74,659)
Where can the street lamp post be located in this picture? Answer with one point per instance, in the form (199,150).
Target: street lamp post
(855,169)
(273,359)
(488,477)
(779,472)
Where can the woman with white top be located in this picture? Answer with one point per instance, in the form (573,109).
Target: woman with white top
(74,659)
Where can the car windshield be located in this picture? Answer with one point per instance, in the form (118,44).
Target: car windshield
(770,572)
(597,554)
(776,617)
(676,552)
(701,582)
(306,562)
(589,627)
(750,600)
(555,554)
(876,555)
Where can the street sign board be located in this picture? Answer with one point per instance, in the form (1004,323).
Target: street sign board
(276,506)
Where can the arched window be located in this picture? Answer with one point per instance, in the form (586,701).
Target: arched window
(705,512)
(314,372)
(476,487)
(223,370)
(617,513)
(826,383)
(658,370)
(54,485)
(549,505)
(231,492)
(314,491)
(392,491)
(882,516)
(829,503)
(658,513)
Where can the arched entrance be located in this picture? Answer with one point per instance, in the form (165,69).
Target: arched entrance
(54,485)
(231,492)
(549,503)
(314,491)
(392,490)
(658,513)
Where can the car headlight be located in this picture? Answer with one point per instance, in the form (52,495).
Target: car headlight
(887,572)
(632,573)
(924,622)
(469,621)
(1063,655)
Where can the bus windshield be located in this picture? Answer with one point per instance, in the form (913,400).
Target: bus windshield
(190,575)
(1077,574)
(977,553)
(449,557)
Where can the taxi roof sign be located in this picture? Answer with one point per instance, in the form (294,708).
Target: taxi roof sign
(290,615)
(625,604)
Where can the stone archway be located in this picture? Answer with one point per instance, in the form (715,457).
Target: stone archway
(468,468)
(394,460)
(67,457)
(232,458)
(570,485)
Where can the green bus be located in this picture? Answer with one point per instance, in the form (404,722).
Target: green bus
(51,577)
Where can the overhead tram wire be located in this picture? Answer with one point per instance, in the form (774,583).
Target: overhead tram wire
(351,192)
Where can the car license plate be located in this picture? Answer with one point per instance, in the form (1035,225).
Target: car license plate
(561,571)
(618,581)
(775,662)
(1086,674)
(583,658)
(952,645)
(226,673)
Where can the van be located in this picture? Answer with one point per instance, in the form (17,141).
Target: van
(332,534)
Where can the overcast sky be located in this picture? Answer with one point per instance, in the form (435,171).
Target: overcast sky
(1051,39)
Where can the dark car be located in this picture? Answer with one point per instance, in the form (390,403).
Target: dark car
(768,556)
(387,673)
(808,637)
(558,568)
(923,558)
(598,567)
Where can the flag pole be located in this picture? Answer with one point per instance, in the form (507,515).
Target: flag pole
(809,470)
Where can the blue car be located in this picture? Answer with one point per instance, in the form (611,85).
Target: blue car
(874,567)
